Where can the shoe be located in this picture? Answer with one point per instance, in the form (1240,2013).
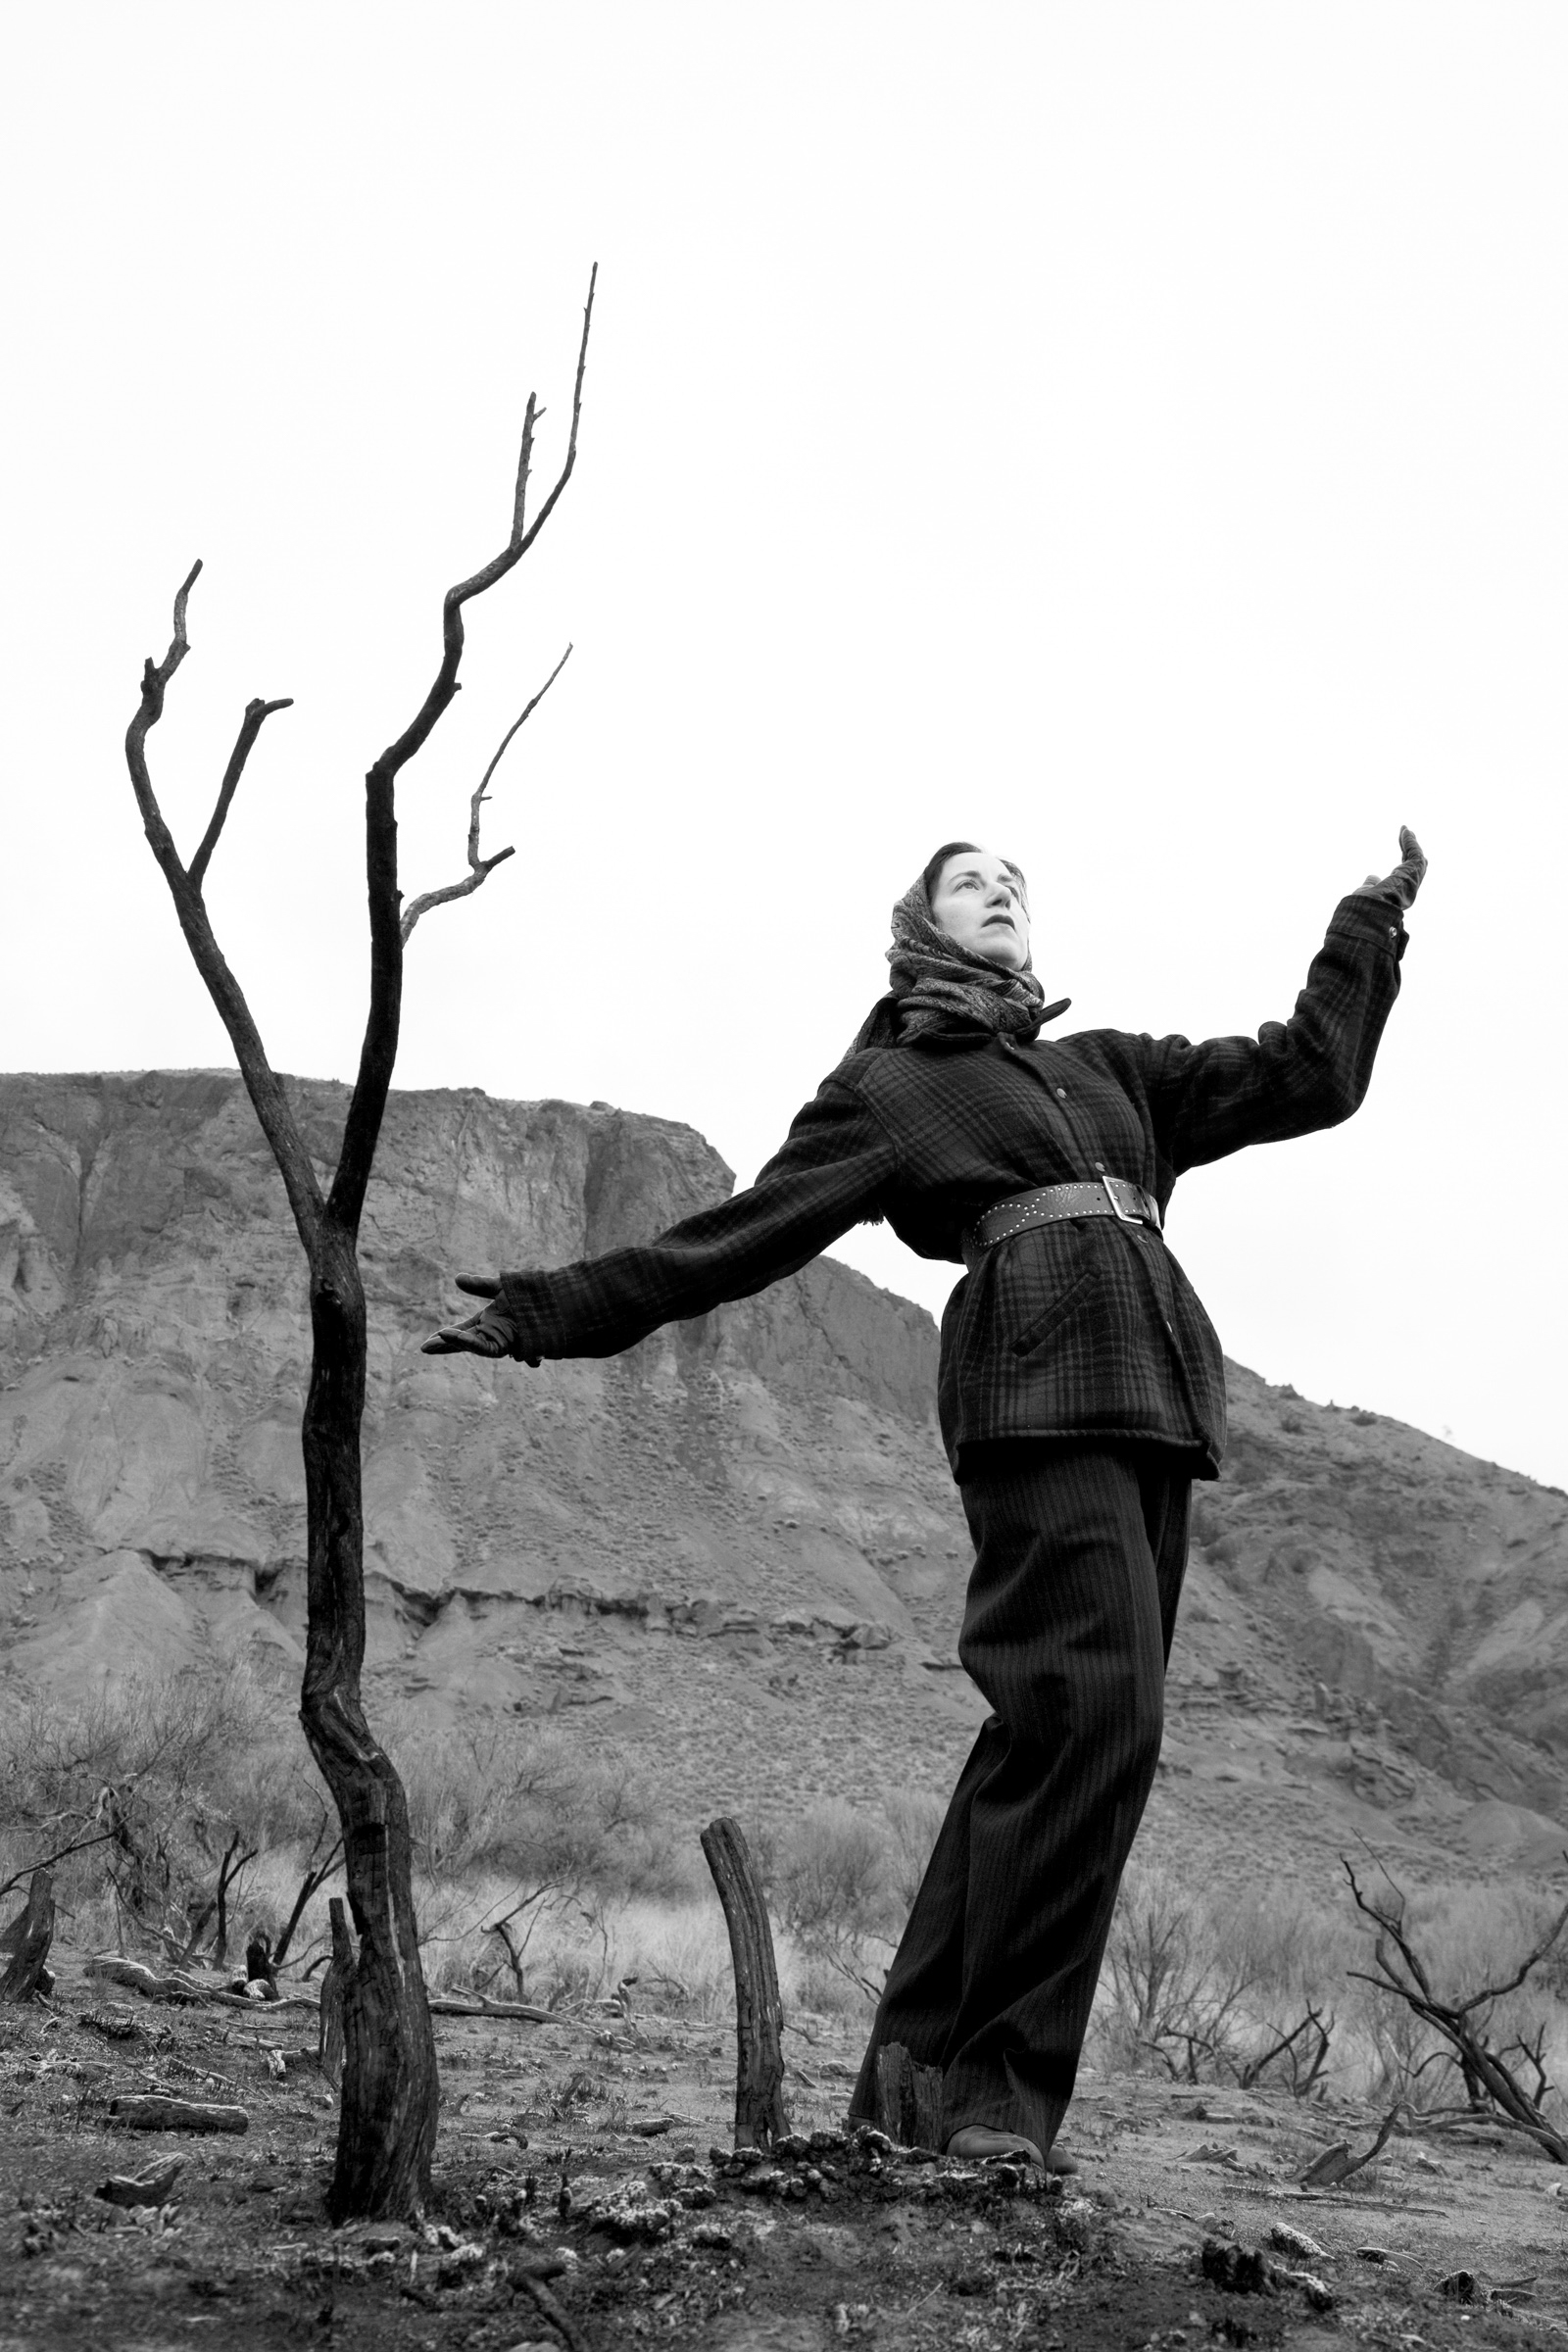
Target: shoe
(978,2140)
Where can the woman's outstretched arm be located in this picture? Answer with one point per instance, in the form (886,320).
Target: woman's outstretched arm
(835,1166)
(1308,1073)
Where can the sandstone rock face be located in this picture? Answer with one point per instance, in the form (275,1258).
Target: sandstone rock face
(735,1552)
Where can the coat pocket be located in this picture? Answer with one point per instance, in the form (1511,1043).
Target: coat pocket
(1067,1303)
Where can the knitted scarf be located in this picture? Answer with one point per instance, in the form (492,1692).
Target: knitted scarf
(939,986)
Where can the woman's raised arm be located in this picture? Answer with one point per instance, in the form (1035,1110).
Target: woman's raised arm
(1298,1075)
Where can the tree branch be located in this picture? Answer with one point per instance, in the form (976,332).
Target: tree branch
(48,1861)
(257,713)
(480,866)
(272,1104)
(397,755)
(378,1052)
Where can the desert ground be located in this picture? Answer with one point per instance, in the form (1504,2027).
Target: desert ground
(579,2202)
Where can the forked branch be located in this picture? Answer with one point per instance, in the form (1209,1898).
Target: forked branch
(521,539)
(1464,2031)
(478,867)
(257,714)
(378,1051)
(260,1082)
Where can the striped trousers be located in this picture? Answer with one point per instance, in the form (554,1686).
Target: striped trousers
(1079,1555)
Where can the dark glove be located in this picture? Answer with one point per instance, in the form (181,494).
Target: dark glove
(491,1332)
(1397,889)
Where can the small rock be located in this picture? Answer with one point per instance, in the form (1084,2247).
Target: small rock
(145,2188)
(1373,2254)
(713,2235)
(1331,2166)
(1285,2240)
(634,2218)
(1462,2287)
(1319,2295)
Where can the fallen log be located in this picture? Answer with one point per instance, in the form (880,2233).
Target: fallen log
(27,1938)
(760,2114)
(174,1985)
(154,2113)
(150,2188)
(445,2005)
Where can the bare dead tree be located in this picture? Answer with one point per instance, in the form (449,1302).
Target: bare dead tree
(1462,2022)
(62,1853)
(316,1873)
(387,2124)
(237,1856)
(1302,2054)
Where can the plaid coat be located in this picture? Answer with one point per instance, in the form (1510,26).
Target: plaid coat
(1086,1328)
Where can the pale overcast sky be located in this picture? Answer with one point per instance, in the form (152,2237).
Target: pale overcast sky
(1130,436)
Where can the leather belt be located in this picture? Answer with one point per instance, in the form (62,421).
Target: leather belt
(1050,1203)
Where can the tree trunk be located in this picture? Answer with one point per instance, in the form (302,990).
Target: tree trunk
(760,2117)
(30,1936)
(391,2094)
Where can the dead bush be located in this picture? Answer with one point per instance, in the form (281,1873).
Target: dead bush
(1455,2012)
(832,1892)
(915,1818)
(144,1787)
(1238,1993)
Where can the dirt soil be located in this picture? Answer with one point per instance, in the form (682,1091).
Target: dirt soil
(578,2200)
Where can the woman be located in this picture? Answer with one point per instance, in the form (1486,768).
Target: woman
(1081,1390)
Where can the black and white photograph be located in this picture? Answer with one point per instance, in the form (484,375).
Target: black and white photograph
(783,1431)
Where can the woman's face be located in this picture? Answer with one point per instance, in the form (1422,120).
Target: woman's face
(980,903)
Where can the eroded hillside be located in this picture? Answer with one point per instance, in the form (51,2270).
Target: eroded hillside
(736,1550)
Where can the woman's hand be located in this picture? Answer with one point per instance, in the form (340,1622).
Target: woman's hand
(491,1332)
(1399,887)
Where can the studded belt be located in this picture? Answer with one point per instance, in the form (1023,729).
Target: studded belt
(1050,1203)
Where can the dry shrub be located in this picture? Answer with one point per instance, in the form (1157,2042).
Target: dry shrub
(913,1819)
(833,1891)
(1241,1991)
(1468,1935)
(1207,1988)
(151,1780)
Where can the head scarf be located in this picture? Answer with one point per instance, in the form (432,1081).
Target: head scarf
(940,986)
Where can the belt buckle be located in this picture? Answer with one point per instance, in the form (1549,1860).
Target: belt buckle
(1122,1214)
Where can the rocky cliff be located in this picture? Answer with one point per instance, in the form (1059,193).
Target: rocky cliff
(734,1551)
